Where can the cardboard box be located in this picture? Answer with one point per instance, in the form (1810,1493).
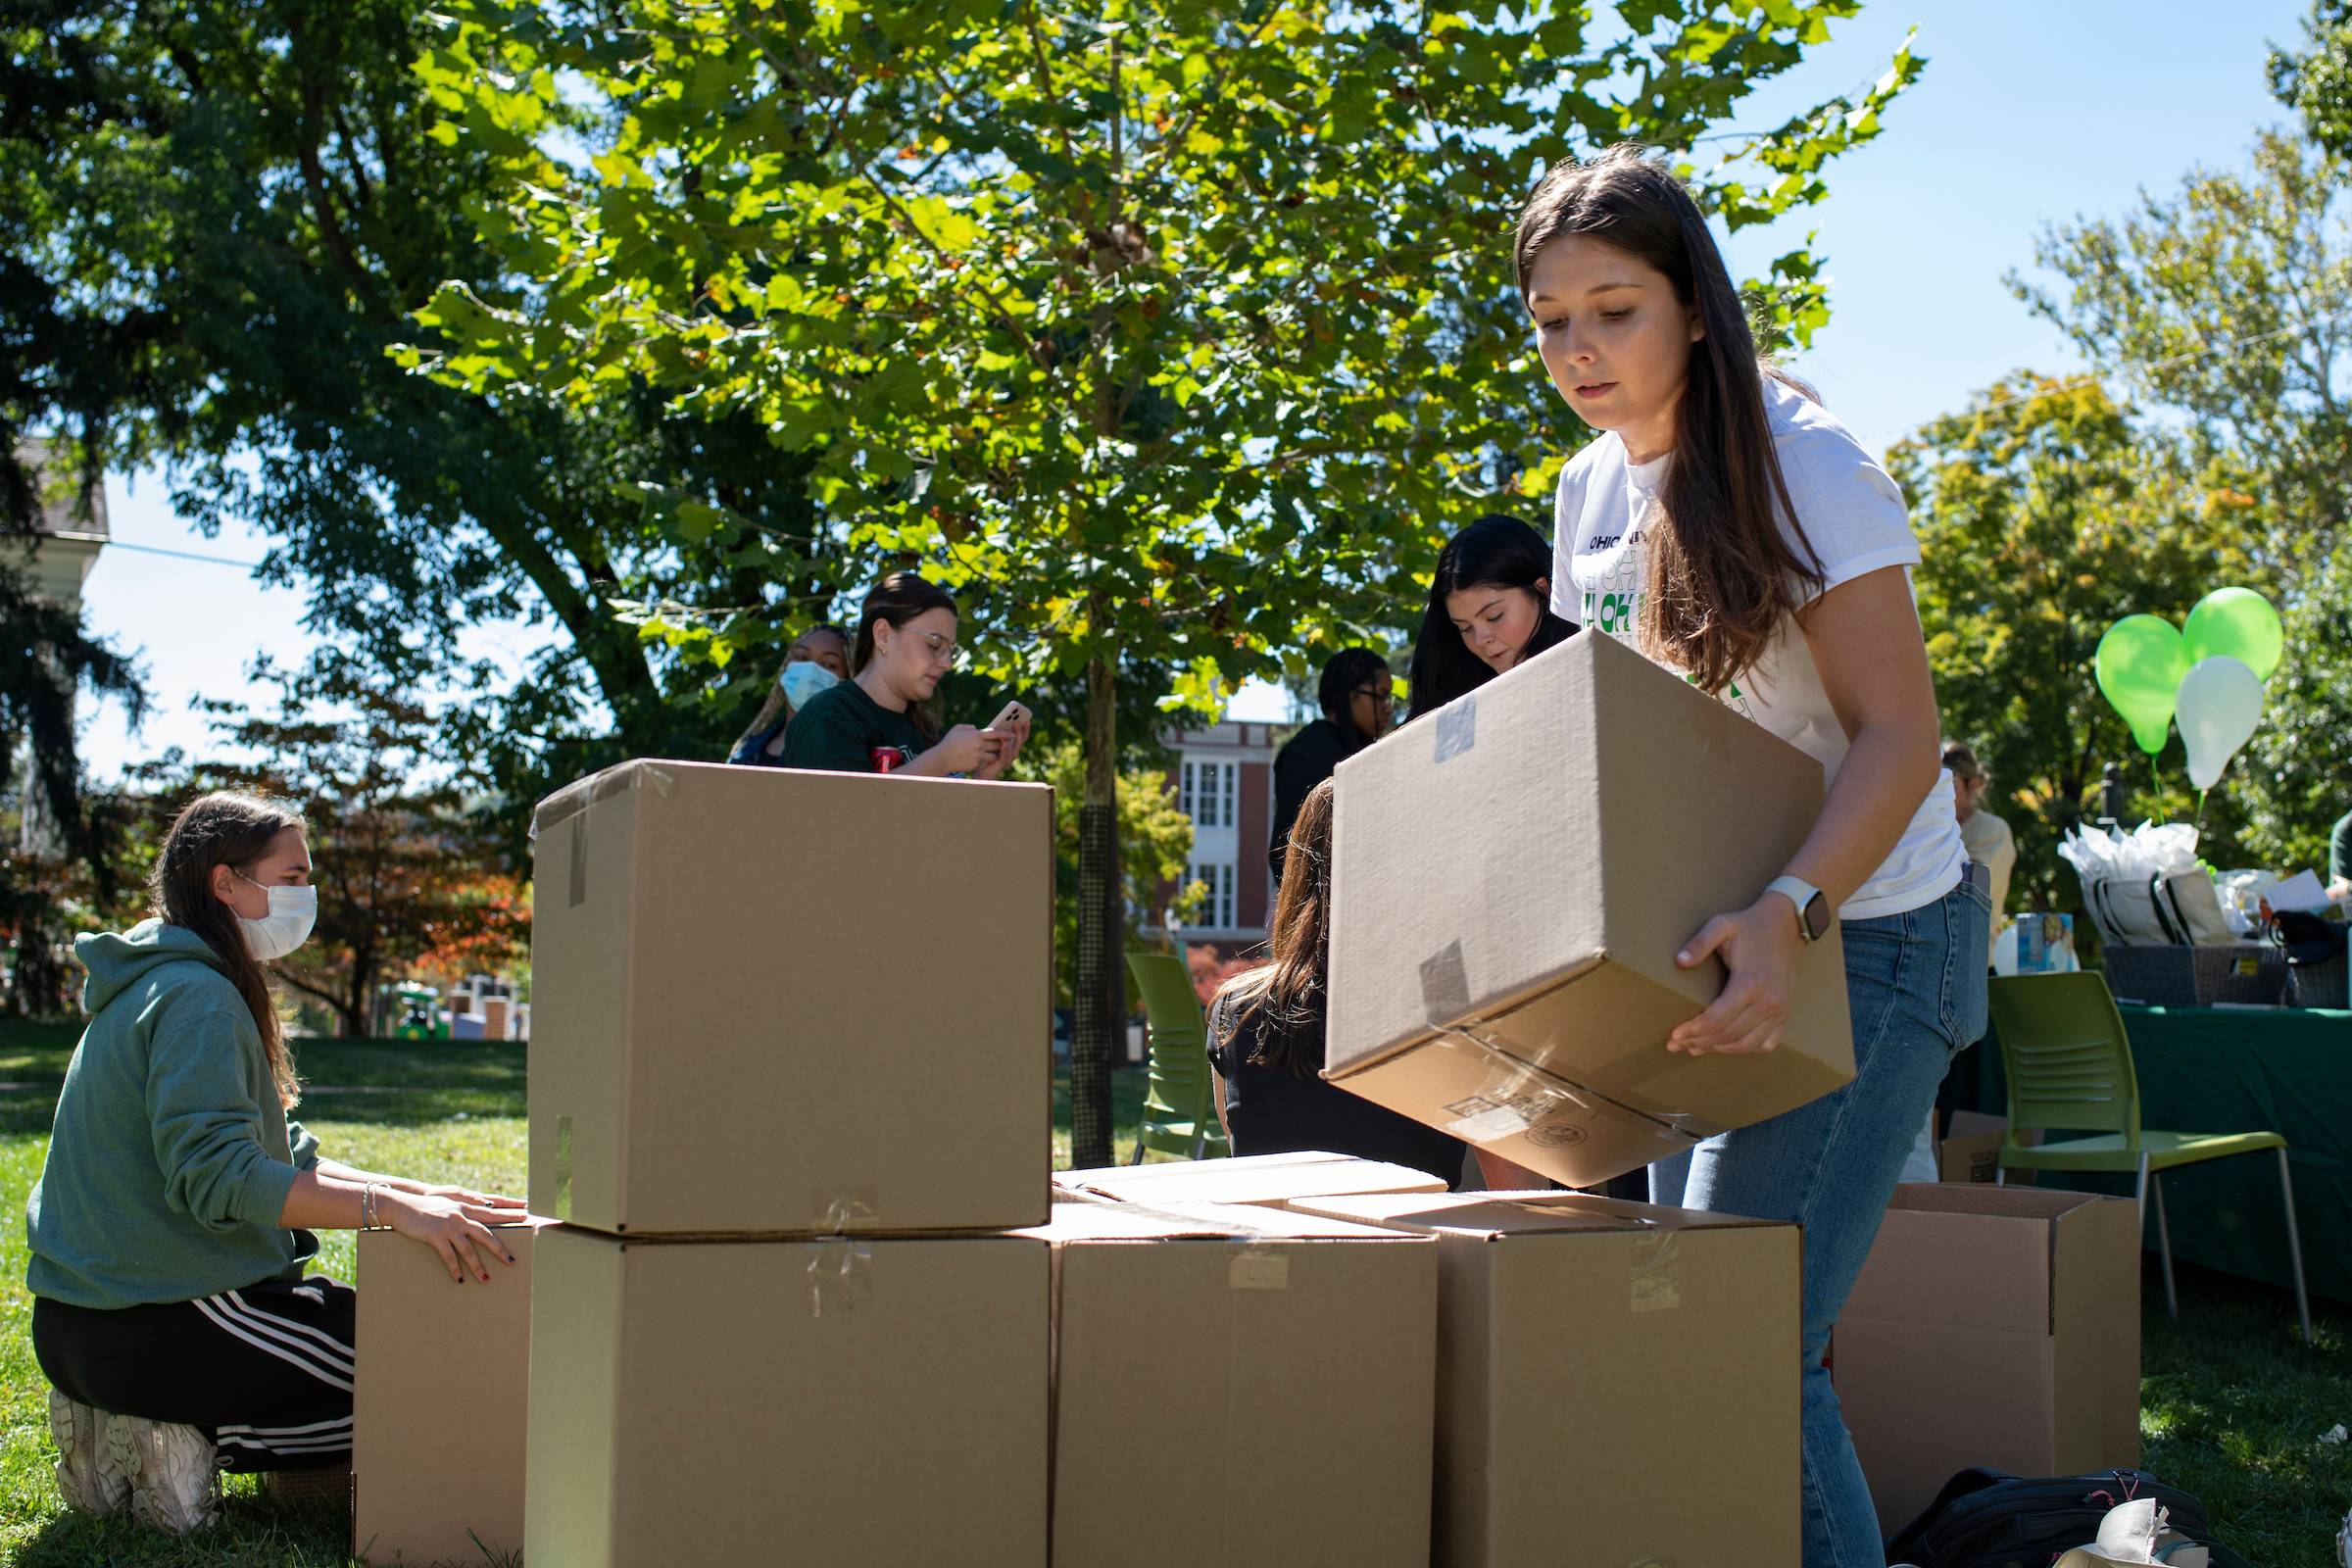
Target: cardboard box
(1616,1383)
(845,1400)
(1970,1150)
(1994,1326)
(439,1402)
(1271,1180)
(1258,1383)
(1511,881)
(732,1035)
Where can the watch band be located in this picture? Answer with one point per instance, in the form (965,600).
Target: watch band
(1804,895)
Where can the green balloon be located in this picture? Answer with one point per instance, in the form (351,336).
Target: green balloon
(2236,623)
(2140,663)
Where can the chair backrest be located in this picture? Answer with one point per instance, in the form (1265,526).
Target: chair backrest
(2068,1057)
(1180,1085)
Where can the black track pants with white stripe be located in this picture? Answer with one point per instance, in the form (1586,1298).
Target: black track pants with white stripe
(264,1370)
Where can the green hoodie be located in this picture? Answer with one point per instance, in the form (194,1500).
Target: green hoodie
(170,1160)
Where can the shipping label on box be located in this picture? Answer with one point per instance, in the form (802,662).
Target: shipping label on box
(850,1400)
(440,1402)
(717,1048)
(1289,1385)
(1991,1326)
(1617,1383)
(1272,1180)
(1511,881)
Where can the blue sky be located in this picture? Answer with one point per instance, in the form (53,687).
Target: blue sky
(2027,114)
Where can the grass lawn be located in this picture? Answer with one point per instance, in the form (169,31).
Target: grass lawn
(2232,1403)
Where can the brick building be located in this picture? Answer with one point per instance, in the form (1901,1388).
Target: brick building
(1224,780)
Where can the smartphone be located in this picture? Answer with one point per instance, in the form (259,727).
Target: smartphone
(1005,721)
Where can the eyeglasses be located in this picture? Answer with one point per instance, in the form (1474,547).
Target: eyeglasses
(1380,699)
(943,650)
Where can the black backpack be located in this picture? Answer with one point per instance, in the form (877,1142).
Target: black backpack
(1992,1519)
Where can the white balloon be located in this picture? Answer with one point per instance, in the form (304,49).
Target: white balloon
(2220,703)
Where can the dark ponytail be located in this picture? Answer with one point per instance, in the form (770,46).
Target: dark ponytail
(232,829)
(1721,576)
(897,599)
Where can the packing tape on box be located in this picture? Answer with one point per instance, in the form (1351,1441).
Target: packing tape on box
(1517,1101)
(841,1276)
(838,1210)
(1251,1265)
(1456,729)
(1656,1275)
(571,803)
(563,1204)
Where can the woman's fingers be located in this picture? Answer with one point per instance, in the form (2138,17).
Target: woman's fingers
(449,1256)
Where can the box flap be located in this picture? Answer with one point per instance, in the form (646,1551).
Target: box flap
(1081,1223)
(1499,1214)
(1252,1179)
(580,793)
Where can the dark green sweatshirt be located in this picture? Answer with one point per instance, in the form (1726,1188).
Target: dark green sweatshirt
(170,1159)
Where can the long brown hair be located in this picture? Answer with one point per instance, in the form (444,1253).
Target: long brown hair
(1289,991)
(1721,576)
(233,829)
(897,599)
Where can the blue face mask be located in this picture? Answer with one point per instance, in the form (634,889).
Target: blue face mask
(804,680)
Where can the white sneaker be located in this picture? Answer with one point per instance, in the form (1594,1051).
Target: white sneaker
(175,1480)
(85,1470)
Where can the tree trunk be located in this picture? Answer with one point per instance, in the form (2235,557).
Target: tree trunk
(1098,988)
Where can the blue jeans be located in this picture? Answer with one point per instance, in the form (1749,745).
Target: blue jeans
(1916,985)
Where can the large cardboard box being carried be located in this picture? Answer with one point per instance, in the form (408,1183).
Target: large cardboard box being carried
(1991,1326)
(439,1402)
(1616,1383)
(1272,1180)
(1259,1383)
(838,1401)
(1511,880)
(730,1034)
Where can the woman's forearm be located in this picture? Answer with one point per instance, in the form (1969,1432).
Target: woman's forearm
(1887,771)
(352,1175)
(323,1201)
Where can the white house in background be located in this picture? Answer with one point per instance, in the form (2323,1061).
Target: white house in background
(1223,775)
(56,560)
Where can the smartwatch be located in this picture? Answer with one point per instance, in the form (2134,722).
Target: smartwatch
(1812,905)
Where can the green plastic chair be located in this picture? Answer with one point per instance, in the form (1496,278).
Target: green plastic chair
(1179,1116)
(2070,1070)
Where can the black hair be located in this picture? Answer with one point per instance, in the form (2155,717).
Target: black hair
(1495,552)
(1343,674)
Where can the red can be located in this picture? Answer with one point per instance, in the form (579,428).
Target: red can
(886,758)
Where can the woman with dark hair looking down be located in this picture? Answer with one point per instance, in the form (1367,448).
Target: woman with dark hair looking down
(1489,610)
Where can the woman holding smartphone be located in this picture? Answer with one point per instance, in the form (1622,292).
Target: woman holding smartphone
(1732,530)
(877,721)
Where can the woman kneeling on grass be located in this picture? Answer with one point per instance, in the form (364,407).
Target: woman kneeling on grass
(175,1211)
(1265,1040)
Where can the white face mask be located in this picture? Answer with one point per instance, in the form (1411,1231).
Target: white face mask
(287,925)
(804,680)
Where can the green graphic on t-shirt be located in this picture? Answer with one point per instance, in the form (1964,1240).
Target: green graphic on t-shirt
(1613,613)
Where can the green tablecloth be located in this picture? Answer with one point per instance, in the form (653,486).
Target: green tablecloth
(2229,1071)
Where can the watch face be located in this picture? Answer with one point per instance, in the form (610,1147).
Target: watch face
(1817,916)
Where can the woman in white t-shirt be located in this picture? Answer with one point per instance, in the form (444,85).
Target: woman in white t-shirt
(1729,527)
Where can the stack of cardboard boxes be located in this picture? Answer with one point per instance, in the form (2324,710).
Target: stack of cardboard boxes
(788,1101)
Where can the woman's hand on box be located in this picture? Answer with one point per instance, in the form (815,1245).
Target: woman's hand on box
(459,1232)
(474,1199)
(1759,946)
